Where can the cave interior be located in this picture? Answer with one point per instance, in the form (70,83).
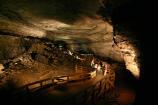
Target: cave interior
(81,41)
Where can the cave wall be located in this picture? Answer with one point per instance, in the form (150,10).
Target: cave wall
(46,20)
(11,47)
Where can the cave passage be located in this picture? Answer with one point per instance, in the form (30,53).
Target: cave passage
(69,52)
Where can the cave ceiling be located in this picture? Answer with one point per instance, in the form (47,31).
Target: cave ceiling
(75,22)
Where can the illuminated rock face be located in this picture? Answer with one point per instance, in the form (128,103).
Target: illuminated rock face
(129,53)
(1,68)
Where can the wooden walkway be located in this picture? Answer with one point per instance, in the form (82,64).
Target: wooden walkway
(92,90)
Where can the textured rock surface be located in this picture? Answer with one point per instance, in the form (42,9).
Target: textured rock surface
(129,52)
(74,22)
(86,31)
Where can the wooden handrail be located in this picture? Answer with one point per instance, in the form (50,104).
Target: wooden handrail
(79,76)
(35,82)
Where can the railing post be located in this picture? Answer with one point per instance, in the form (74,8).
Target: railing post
(67,78)
(93,97)
(27,89)
(41,84)
(52,80)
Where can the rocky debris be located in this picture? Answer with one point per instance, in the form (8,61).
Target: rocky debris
(45,53)
(11,47)
(43,60)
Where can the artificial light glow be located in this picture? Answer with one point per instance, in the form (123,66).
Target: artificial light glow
(133,68)
(129,53)
(131,64)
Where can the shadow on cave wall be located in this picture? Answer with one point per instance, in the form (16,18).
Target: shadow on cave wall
(127,16)
(66,11)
